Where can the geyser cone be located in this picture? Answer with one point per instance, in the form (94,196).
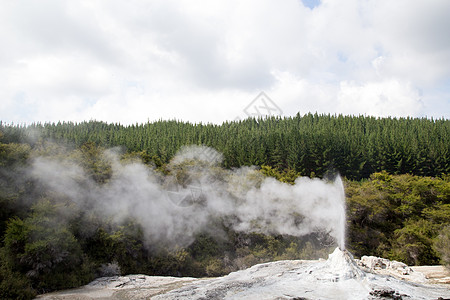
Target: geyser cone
(342,264)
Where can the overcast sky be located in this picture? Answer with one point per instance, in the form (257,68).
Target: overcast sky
(206,61)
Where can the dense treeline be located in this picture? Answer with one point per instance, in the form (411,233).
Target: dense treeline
(49,242)
(311,145)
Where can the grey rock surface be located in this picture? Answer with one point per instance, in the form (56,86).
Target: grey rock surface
(339,277)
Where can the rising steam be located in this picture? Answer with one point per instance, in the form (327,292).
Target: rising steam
(173,208)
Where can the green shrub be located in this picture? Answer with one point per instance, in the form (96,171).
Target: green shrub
(42,248)
(442,246)
(13,285)
(215,267)
(413,243)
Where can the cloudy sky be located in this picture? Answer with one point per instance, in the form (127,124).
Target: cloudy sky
(207,61)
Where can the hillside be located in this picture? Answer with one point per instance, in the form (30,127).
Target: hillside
(311,145)
(75,207)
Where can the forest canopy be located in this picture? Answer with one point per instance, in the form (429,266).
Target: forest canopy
(311,145)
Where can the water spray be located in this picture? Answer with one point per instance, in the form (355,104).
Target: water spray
(342,213)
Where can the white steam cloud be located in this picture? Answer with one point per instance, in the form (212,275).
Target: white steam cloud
(173,208)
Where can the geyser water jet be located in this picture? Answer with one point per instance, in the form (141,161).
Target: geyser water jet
(340,233)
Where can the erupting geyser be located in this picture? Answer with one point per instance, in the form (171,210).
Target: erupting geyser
(340,233)
(340,217)
(250,203)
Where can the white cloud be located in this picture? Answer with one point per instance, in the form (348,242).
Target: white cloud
(384,98)
(414,37)
(137,60)
(295,94)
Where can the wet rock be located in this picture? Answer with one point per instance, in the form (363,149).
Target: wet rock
(387,294)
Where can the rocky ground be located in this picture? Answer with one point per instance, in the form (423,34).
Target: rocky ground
(339,277)
(434,274)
